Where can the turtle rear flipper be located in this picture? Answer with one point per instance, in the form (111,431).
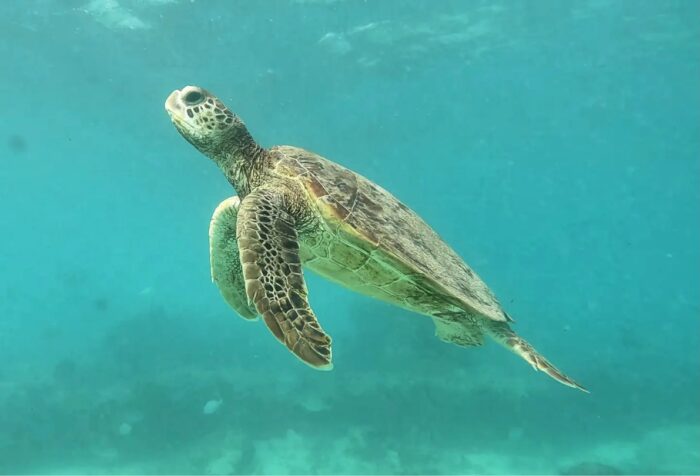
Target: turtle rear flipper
(503,334)
(274,283)
(463,334)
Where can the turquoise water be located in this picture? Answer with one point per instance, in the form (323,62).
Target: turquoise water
(554,144)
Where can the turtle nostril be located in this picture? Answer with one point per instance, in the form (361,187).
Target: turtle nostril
(193,97)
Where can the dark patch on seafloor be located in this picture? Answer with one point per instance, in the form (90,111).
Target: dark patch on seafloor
(16,143)
(590,468)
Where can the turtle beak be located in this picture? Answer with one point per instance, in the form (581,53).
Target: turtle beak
(175,109)
(172,104)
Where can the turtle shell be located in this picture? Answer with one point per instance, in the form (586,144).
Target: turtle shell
(367,214)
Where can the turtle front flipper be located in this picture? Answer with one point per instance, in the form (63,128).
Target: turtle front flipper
(502,333)
(226,270)
(274,283)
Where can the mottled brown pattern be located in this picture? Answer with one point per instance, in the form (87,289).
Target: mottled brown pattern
(267,239)
(402,239)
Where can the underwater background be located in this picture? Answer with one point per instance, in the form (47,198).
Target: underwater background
(554,144)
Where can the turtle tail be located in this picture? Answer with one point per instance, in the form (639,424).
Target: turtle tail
(503,334)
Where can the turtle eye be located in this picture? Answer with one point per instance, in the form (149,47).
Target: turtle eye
(193,97)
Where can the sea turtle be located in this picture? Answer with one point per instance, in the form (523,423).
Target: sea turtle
(297,208)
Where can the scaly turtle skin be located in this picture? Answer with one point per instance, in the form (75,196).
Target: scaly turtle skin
(296,208)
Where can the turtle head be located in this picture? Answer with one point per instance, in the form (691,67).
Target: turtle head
(207,123)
